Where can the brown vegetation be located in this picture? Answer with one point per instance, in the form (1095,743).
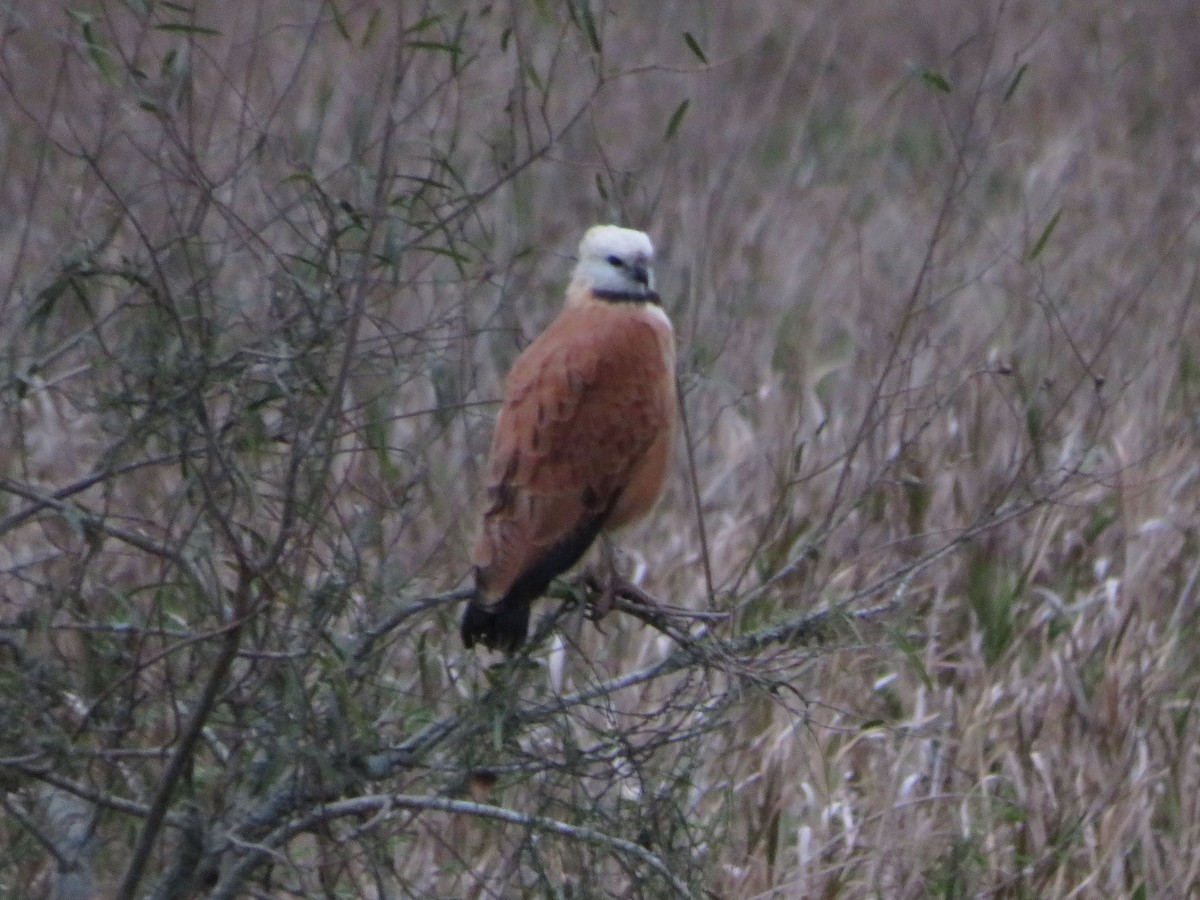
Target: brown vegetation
(931,267)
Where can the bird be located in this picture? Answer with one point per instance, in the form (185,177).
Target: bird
(584,437)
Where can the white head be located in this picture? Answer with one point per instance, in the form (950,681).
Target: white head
(615,260)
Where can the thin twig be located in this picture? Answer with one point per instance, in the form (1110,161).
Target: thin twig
(694,484)
(23,819)
(231,883)
(182,755)
(397,618)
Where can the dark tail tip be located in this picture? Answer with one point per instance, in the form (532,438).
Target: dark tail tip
(500,627)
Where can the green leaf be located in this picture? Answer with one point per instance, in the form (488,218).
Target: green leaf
(422,24)
(339,21)
(1040,244)
(913,656)
(97,49)
(48,298)
(937,81)
(302,176)
(1016,79)
(439,46)
(675,120)
(425,182)
(186,28)
(371,30)
(535,79)
(99,53)
(694,47)
(459,259)
(589,26)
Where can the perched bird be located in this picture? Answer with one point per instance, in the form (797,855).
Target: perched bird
(583,439)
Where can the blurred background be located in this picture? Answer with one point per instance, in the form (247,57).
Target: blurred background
(928,556)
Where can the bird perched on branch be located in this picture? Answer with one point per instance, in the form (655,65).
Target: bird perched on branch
(583,440)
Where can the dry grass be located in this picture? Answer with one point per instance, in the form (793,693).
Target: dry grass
(932,269)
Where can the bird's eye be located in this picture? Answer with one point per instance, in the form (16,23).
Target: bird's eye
(615,261)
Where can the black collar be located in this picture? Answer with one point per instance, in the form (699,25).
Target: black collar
(629,297)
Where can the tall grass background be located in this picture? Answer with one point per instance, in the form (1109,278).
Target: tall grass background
(928,559)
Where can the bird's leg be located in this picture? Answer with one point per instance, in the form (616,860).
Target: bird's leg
(607,584)
(610,581)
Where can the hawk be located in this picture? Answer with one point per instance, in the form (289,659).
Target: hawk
(583,439)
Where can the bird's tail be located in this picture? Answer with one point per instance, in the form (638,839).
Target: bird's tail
(501,624)
(498,626)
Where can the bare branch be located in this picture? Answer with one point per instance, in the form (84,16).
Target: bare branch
(234,878)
